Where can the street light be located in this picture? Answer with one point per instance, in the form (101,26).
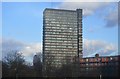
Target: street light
(17,66)
(100,76)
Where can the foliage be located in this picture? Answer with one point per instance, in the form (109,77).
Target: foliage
(14,65)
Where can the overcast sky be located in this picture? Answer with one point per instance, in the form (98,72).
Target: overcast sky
(22,24)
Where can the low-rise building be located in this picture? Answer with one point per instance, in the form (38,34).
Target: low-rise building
(106,66)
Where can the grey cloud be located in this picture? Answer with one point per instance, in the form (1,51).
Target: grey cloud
(88,7)
(111,19)
(10,45)
(91,47)
(28,49)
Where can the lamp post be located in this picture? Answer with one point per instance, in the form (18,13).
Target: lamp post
(100,69)
(17,67)
(100,76)
(99,61)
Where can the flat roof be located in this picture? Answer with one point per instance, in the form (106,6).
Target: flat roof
(61,9)
(102,56)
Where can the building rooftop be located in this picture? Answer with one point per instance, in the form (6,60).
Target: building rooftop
(103,56)
(60,9)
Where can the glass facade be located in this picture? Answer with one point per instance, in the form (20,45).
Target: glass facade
(62,35)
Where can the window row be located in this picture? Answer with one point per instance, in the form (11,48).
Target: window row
(60,49)
(62,33)
(64,36)
(61,29)
(61,22)
(61,44)
(57,16)
(61,13)
(69,41)
(49,25)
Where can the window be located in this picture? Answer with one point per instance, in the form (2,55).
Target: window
(95,64)
(111,58)
(87,64)
(86,60)
(86,68)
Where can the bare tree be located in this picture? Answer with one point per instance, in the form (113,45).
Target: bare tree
(14,61)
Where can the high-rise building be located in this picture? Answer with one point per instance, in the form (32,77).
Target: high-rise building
(62,36)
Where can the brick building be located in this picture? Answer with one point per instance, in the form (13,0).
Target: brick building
(106,66)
